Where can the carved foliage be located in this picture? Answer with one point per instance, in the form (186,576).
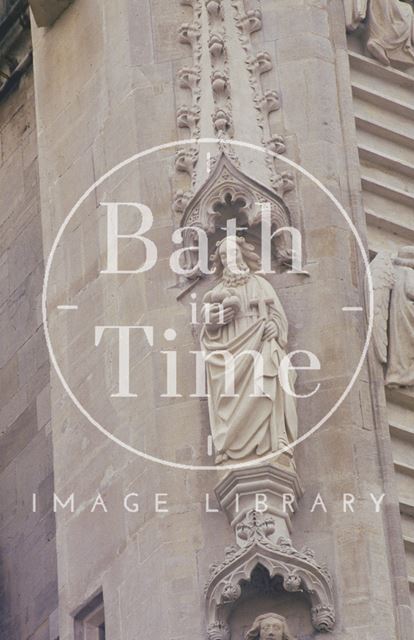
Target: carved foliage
(188,117)
(214,7)
(189,33)
(250,21)
(218,631)
(268,102)
(323,617)
(185,160)
(276,144)
(222,121)
(255,528)
(216,45)
(189,77)
(265,102)
(260,63)
(220,82)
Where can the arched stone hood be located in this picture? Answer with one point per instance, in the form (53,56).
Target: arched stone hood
(229,193)
(228,188)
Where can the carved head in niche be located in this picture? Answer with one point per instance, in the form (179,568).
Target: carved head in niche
(269,626)
(236,255)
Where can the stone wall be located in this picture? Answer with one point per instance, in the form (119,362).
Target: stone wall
(106,88)
(27,540)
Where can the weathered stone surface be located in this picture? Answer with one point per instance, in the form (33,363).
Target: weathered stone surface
(27,539)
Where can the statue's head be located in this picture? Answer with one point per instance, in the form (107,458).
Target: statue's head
(235,255)
(269,626)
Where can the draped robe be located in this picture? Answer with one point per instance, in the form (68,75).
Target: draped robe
(391,29)
(400,369)
(246,425)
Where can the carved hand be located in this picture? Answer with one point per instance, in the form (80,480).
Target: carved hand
(270,331)
(219,316)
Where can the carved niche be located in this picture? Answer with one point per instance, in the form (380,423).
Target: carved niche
(259,563)
(229,193)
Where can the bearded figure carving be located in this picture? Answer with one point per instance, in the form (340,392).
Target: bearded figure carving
(269,626)
(244,321)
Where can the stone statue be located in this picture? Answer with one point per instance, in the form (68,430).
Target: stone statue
(242,315)
(390,28)
(393,332)
(269,626)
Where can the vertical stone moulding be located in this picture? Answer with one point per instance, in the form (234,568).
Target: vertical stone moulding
(262,540)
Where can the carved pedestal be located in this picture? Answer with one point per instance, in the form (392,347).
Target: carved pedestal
(271,488)
(297,571)
(264,545)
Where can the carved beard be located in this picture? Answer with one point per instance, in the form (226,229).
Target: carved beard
(232,279)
